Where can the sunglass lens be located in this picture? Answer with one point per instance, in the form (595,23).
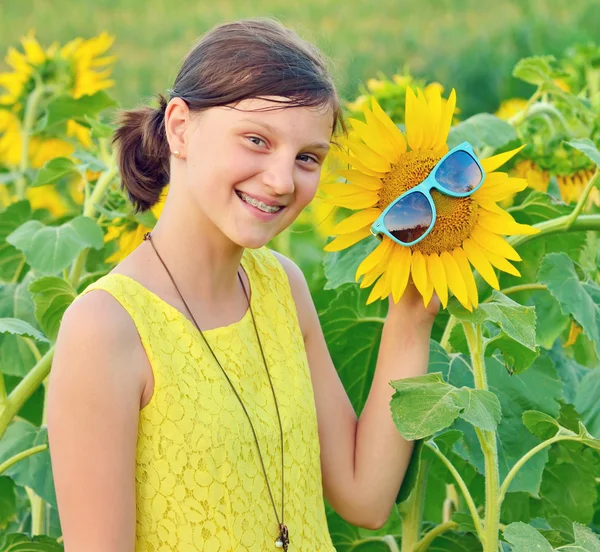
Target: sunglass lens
(410,218)
(459,173)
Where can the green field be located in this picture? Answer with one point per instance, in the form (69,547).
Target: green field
(469,44)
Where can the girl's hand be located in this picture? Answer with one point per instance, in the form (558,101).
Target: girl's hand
(411,305)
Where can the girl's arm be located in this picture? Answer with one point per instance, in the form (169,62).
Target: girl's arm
(363,461)
(94,395)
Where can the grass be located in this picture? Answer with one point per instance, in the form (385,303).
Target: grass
(469,44)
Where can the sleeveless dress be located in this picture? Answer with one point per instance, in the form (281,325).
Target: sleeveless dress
(199,482)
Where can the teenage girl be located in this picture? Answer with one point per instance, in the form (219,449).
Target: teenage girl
(193,405)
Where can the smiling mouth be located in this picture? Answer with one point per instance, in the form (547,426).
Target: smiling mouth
(259,204)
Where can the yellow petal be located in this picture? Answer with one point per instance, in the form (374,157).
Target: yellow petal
(368,157)
(428,293)
(342,190)
(396,136)
(356,163)
(434,102)
(381,289)
(494,243)
(373,258)
(419,272)
(501,224)
(498,186)
(342,242)
(413,119)
(455,280)
(355,201)
(446,121)
(502,264)
(492,163)
(400,265)
(357,221)
(438,277)
(375,136)
(477,258)
(465,268)
(491,206)
(360,179)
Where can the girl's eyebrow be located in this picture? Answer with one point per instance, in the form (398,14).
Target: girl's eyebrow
(272,129)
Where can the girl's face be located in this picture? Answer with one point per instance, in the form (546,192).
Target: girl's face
(234,157)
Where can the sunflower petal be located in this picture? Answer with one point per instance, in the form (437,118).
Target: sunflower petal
(357,221)
(455,279)
(338,189)
(362,200)
(375,136)
(477,258)
(381,289)
(396,136)
(428,293)
(502,264)
(434,101)
(368,157)
(494,243)
(499,186)
(413,118)
(373,259)
(503,224)
(400,271)
(342,242)
(356,163)
(358,178)
(446,120)
(463,264)
(438,277)
(492,163)
(419,271)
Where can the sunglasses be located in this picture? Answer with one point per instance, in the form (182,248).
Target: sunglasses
(410,217)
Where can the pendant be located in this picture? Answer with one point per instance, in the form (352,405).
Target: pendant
(283,540)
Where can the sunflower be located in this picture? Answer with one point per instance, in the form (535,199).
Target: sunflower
(571,186)
(537,178)
(509,108)
(385,163)
(73,68)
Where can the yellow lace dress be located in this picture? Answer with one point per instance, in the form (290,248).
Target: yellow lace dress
(199,483)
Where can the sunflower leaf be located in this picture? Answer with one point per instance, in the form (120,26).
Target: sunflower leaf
(516,338)
(525,538)
(16,326)
(54,170)
(481,130)
(586,146)
(50,249)
(52,296)
(577,298)
(537,69)
(340,266)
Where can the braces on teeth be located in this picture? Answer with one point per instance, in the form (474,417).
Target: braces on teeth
(262,206)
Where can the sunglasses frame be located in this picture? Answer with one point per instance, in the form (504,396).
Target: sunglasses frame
(378,227)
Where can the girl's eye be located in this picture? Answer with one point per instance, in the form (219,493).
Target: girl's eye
(310,158)
(255,138)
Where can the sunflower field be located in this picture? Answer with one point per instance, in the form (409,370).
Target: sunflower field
(506,423)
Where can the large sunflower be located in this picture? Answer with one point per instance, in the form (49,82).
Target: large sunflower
(468,231)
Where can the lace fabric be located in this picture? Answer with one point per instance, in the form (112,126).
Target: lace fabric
(199,483)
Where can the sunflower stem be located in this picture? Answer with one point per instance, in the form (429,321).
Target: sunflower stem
(487,440)
(28,121)
(412,511)
(559,224)
(424,543)
(518,118)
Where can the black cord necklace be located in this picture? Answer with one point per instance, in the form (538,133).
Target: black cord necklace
(283,538)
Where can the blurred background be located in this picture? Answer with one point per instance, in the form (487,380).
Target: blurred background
(471,45)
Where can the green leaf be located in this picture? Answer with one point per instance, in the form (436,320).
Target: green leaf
(524,538)
(20,327)
(33,471)
(50,249)
(20,542)
(52,296)
(352,331)
(586,401)
(63,108)
(516,339)
(536,69)
(11,259)
(586,146)
(340,266)
(580,299)
(99,130)
(54,170)
(541,424)
(482,130)
(424,405)
(539,388)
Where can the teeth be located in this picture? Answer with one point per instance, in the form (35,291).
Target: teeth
(259,204)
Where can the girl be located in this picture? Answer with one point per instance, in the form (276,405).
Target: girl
(193,405)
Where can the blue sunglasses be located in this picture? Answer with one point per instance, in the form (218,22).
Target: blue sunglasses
(410,217)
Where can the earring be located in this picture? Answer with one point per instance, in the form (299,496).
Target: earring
(176,153)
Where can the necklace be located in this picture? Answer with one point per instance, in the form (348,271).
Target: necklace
(283,539)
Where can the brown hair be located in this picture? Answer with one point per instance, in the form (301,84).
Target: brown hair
(234,61)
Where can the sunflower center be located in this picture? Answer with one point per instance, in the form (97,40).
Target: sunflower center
(456,217)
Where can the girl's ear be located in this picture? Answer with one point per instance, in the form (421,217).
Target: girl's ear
(177,118)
